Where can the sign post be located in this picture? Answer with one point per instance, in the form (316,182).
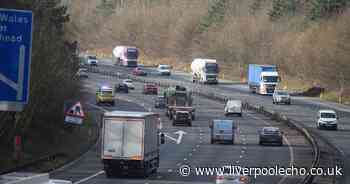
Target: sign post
(16,28)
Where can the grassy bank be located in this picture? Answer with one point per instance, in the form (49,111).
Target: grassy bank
(71,143)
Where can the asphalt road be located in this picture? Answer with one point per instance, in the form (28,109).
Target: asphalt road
(195,149)
(303,110)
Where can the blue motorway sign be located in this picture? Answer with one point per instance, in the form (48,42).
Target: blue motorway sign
(16,27)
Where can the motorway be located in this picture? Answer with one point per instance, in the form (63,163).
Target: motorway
(335,145)
(195,149)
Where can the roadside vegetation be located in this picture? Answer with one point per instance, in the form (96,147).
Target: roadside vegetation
(309,40)
(54,64)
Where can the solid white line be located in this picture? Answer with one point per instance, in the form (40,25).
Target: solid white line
(97,107)
(89,178)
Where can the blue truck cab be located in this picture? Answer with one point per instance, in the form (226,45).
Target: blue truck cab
(263,79)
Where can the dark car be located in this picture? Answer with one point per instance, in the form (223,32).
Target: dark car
(160,102)
(270,135)
(150,88)
(139,72)
(121,88)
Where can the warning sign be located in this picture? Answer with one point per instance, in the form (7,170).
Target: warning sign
(76,110)
(74,113)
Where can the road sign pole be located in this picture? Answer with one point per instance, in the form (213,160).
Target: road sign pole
(22,52)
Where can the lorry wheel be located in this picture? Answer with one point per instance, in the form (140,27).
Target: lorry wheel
(190,123)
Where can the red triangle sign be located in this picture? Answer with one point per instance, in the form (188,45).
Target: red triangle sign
(76,110)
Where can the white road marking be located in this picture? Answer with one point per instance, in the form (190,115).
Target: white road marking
(89,178)
(291,151)
(97,107)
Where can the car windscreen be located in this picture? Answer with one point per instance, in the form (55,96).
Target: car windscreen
(211,68)
(282,93)
(270,79)
(328,115)
(132,53)
(107,93)
(271,131)
(164,67)
(92,57)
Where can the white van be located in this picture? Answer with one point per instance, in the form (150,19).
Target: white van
(233,107)
(327,119)
(222,131)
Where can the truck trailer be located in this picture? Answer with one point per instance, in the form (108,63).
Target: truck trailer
(205,71)
(263,79)
(130,143)
(179,105)
(125,56)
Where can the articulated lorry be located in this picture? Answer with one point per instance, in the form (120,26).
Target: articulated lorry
(130,143)
(205,71)
(125,56)
(263,79)
(179,105)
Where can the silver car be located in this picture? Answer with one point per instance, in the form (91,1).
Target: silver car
(233,107)
(222,131)
(281,97)
(271,135)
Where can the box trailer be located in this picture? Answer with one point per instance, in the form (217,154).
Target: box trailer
(130,143)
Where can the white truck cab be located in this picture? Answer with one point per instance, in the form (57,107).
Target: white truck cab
(268,82)
(327,119)
(164,69)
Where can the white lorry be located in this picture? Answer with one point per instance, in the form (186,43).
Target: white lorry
(205,71)
(29,178)
(130,143)
(125,56)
